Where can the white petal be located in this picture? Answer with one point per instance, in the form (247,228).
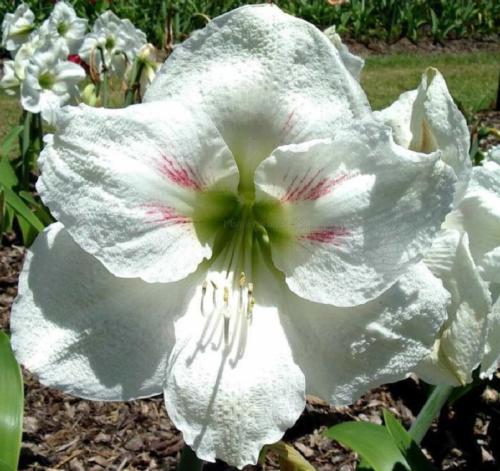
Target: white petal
(230,399)
(478,214)
(460,345)
(427,119)
(346,217)
(132,186)
(344,352)
(86,332)
(266,79)
(353,63)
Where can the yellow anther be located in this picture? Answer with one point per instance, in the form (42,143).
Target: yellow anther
(243,279)
(226,295)
(250,289)
(204,288)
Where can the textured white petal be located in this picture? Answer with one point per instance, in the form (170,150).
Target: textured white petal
(494,154)
(86,332)
(427,119)
(266,79)
(353,63)
(132,186)
(478,214)
(344,352)
(346,217)
(230,399)
(460,345)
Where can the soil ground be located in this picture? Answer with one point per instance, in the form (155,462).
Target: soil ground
(66,433)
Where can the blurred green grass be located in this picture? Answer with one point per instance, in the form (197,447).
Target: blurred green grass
(472,77)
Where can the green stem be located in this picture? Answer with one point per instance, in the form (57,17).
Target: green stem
(25,145)
(430,411)
(133,85)
(189,461)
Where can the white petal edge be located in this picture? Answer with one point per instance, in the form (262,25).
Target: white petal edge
(84,331)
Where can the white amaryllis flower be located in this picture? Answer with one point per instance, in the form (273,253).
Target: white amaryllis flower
(17,28)
(63,25)
(466,253)
(113,39)
(207,236)
(50,81)
(14,70)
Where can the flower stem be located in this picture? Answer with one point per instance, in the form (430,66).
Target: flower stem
(429,412)
(189,461)
(133,84)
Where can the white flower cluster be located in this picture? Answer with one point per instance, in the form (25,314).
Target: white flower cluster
(46,66)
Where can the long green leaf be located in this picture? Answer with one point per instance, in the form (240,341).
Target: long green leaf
(21,209)
(372,442)
(11,407)
(407,446)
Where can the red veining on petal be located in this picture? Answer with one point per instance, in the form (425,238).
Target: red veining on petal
(326,235)
(165,214)
(311,188)
(287,127)
(180,174)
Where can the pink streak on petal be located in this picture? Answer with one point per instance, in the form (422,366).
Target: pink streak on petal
(287,127)
(165,214)
(312,188)
(327,235)
(181,175)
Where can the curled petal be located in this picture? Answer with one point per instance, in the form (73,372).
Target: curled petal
(427,119)
(460,345)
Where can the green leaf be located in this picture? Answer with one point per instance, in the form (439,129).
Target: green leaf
(7,174)
(372,442)
(11,406)
(409,449)
(21,209)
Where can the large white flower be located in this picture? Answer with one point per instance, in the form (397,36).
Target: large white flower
(17,28)
(50,80)
(209,235)
(115,40)
(63,25)
(466,253)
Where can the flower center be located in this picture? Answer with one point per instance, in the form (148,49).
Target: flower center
(46,80)
(62,28)
(110,43)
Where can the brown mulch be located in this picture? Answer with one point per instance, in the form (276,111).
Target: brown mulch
(65,433)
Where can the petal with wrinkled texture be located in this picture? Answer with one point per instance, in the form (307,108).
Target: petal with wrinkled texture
(491,360)
(265,78)
(368,345)
(231,397)
(139,187)
(478,214)
(459,347)
(346,217)
(427,119)
(86,332)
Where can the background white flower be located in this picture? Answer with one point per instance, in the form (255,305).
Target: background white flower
(50,80)
(17,28)
(118,39)
(63,25)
